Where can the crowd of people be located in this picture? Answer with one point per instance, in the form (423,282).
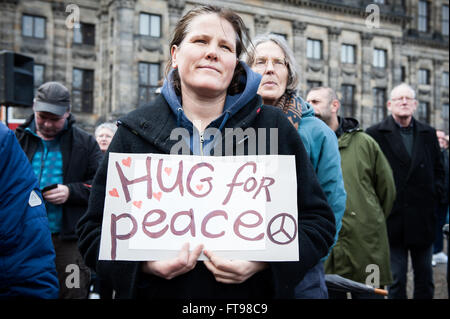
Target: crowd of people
(364,198)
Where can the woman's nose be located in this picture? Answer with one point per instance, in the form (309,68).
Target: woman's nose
(212,52)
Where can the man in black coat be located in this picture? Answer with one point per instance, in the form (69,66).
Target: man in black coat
(412,150)
(65,158)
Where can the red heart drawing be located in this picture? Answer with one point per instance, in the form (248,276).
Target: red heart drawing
(127,161)
(157,195)
(114,192)
(168,170)
(199,187)
(138,204)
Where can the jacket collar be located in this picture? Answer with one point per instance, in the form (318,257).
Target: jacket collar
(155,122)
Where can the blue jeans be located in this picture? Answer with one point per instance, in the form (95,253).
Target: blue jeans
(423,271)
(313,284)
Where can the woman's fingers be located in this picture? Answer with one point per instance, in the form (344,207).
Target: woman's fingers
(231,271)
(168,269)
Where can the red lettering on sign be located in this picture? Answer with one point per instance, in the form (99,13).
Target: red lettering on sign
(239,222)
(190,227)
(206,179)
(207,218)
(114,235)
(145,223)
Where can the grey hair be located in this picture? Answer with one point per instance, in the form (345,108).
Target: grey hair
(405,85)
(110,126)
(293,74)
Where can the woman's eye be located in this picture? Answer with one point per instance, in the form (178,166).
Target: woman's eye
(226,47)
(199,41)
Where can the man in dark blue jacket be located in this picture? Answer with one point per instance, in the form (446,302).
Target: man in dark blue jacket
(27,258)
(65,158)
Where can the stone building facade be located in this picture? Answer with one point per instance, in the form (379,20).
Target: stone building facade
(116,59)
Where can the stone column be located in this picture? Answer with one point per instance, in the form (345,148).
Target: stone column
(413,80)
(104,95)
(366,71)
(61,41)
(176,8)
(125,81)
(396,61)
(8,32)
(300,53)
(334,62)
(436,105)
(261,22)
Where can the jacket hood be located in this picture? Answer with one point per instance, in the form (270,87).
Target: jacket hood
(307,109)
(233,103)
(347,125)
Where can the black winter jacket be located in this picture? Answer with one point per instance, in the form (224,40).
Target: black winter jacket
(147,130)
(81,157)
(418,179)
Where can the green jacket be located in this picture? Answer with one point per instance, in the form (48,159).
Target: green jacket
(369,182)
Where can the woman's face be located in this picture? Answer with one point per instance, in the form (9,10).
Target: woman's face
(103,138)
(206,58)
(270,62)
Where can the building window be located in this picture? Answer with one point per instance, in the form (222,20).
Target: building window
(313,84)
(445,79)
(314,49)
(423,16)
(348,100)
(33,26)
(85,34)
(403,74)
(283,35)
(445,115)
(379,105)
(83,90)
(39,76)
(423,112)
(348,53)
(379,1)
(150,24)
(424,76)
(445,111)
(149,75)
(445,20)
(379,58)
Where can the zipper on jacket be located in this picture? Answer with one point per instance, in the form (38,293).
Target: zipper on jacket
(201,143)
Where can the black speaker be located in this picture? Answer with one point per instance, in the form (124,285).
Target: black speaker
(16,79)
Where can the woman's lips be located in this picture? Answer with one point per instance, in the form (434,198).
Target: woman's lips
(269,83)
(210,68)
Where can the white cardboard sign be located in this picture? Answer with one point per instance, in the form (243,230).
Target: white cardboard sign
(240,207)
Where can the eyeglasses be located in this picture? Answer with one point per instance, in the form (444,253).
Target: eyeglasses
(401,98)
(261,63)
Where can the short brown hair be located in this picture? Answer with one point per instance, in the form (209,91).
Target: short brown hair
(236,22)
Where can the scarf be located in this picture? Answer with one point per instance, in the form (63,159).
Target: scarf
(290,106)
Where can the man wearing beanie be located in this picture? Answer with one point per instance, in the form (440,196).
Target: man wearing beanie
(64,159)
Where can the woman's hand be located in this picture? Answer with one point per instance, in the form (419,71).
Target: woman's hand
(232,271)
(171,268)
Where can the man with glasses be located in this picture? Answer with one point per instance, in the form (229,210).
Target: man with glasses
(412,150)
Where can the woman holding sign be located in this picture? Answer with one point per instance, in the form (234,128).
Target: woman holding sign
(208,87)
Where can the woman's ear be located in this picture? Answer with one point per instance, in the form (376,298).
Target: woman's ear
(173,53)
